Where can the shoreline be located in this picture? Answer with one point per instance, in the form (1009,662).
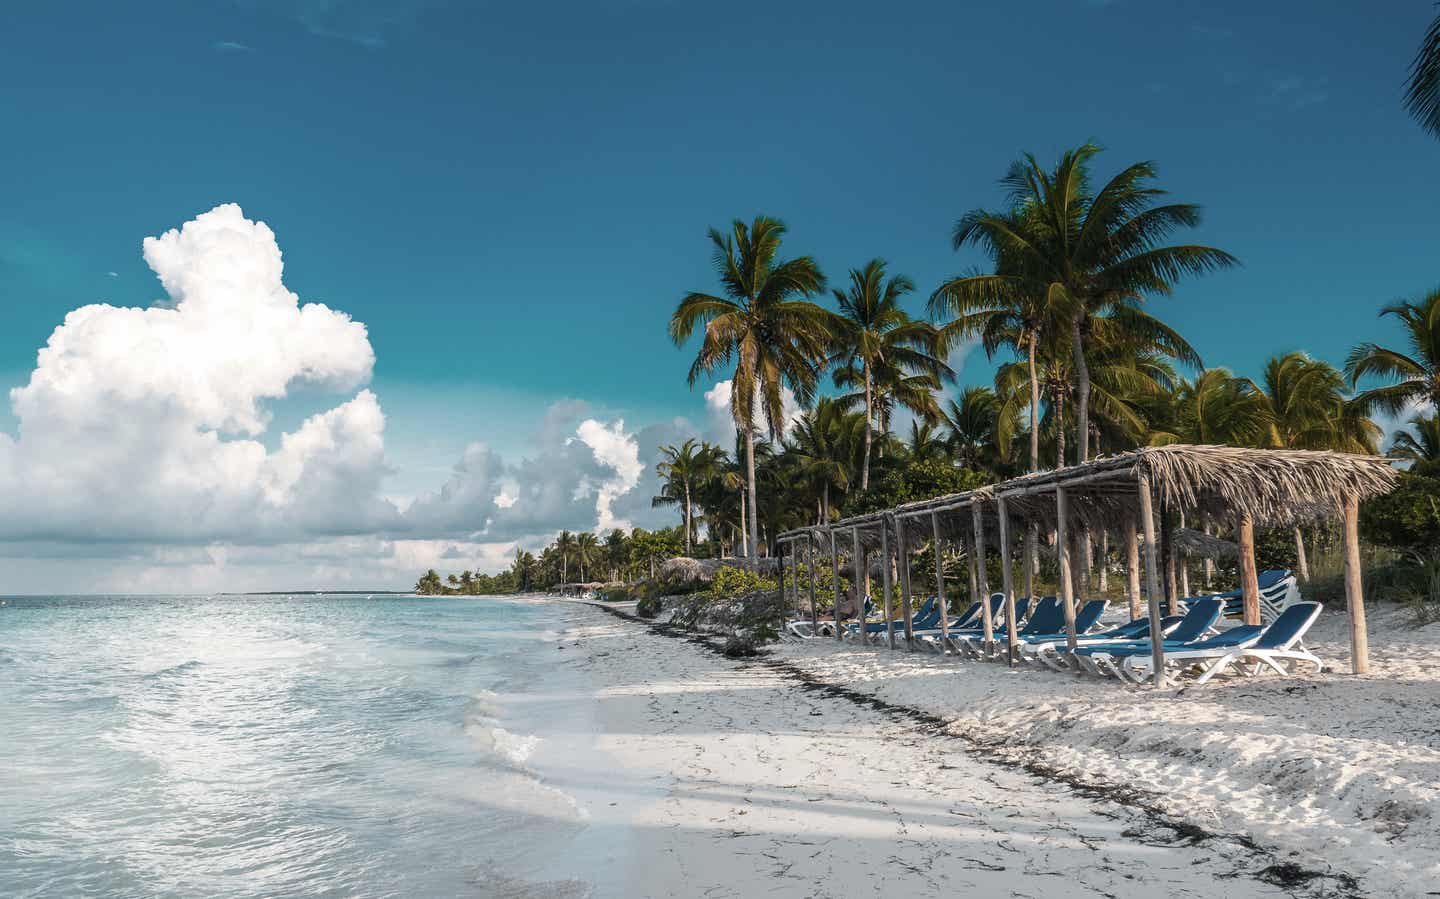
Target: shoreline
(829,789)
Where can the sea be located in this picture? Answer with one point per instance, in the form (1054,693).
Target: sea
(237,746)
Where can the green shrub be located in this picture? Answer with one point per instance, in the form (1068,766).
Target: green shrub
(649,607)
(730,582)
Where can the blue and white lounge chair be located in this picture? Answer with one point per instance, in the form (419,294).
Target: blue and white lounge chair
(1279,643)
(1045,618)
(970,622)
(1055,653)
(1201,616)
(1136,666)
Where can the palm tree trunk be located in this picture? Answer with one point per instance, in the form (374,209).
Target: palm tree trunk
(1301,562)
(744,531)
(1034,409)
(750,481)
(564,571)
(1059,396)
(687,516)
(1082,390)
(825,505)
(865,466)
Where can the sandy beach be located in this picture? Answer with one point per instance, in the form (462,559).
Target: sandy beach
(825,771)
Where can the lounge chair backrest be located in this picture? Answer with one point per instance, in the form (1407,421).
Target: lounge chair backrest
(1048,618)
(1286,630)
(1203,613)
(1022,605)
(1089,615)
(924,613)
(1272,576)
(970,615)
(1139,629)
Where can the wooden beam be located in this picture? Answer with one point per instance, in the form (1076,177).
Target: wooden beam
(1249,578)
(1167,548)
(1032,553)
(1062,554)
(1007,583)
(783,597)
(835,584)
(1132,567)
(903,554)
(983,580)
(859,596)
(1354,588)
(885,584)
(1152,575)
(814,609)
(1302,565)
(940,586)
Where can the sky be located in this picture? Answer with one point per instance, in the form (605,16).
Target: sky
(486,213)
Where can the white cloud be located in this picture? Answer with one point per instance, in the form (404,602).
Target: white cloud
(143,459)
(619,452)
(721,419)
(139,423)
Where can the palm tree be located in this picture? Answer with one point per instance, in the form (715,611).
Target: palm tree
(979,436)
(874,333)
(1217,408)
(824,446)
(926,444)
(1421,446)
(587,550)
(1422,94)
(1308,410)
(616,552)
(762,324)
(1417,372)
(1002,309)
(564,546)
(1086,252)
(681,469)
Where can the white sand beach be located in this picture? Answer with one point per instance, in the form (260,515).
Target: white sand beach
(737,778)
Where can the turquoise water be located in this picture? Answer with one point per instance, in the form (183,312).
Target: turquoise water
(263,746)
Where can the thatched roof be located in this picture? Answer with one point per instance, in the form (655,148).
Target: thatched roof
(1275,487)
(686,570)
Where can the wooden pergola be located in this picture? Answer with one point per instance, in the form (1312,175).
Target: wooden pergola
(1248,487)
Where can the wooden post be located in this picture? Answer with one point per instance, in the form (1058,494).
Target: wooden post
(1152,575)
(859,598)
(903,553)
(982,582)
(885,581)
(1183,563)
(1132,567)
(783,597)
(1032,550)
(940,586)
(1249,578)
(1354,589)
(835,584)
(1007,583)
(1062,554)
(810,563)
(1167,548)
(974,579)
(1302,564)
(1105,561)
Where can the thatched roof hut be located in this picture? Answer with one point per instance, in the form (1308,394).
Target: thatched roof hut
(1234,486)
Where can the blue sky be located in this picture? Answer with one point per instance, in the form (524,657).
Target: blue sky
(512,197)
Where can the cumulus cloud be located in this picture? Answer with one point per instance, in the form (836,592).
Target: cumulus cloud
(721,420)
(582,473)
(140,423)
(143,446)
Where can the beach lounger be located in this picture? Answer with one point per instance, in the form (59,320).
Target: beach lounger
(1279,643)
(1054,653)
(1045,619)
(1199,618)
(1136,667)
(970,622)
